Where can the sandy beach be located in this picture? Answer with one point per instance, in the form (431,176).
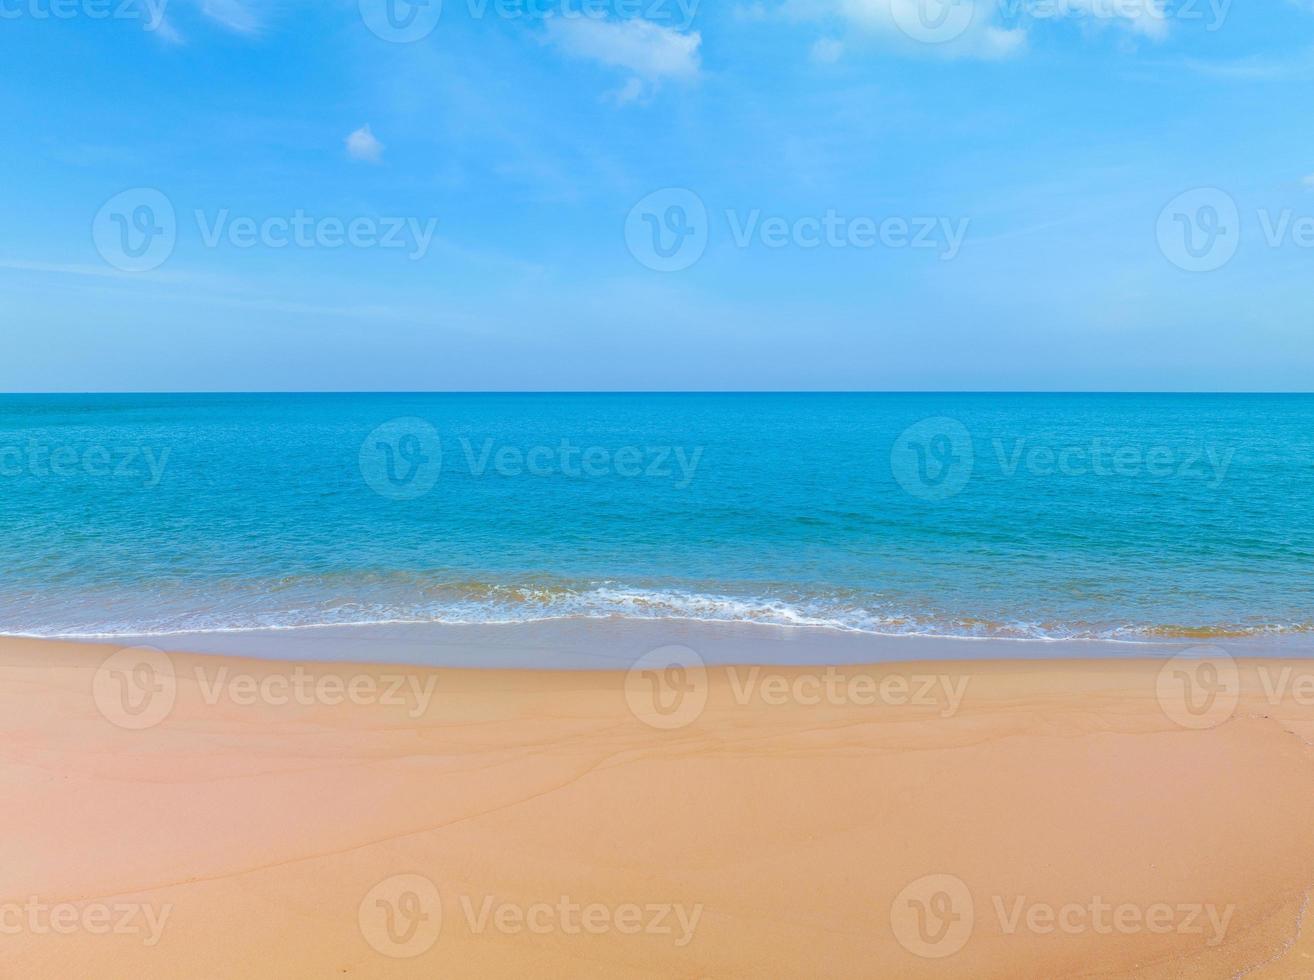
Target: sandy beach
(178,815)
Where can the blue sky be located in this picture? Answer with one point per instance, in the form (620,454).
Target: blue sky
(657,194)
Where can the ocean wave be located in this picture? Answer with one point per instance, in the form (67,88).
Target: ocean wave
(293,605)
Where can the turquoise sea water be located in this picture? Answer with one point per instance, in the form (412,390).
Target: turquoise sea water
(1109,516)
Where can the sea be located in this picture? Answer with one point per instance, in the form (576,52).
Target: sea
(1119,517)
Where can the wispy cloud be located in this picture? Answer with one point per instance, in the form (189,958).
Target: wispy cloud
(233,14)
(161,285)
(237,16)
(650,53)
(167,33)
(83,270)
(1257,68)
(363,145)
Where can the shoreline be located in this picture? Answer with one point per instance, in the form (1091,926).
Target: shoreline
(586,643)
(783,833)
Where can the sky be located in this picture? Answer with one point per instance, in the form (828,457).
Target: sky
(656,195)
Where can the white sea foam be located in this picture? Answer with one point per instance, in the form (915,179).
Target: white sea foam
(304,606)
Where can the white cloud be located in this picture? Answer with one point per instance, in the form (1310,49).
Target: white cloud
(949,28)
(1145,17)
(632,91)
(650,52)
(363,145)
(1308,181)
(232,14)
(987,29)
(999,42)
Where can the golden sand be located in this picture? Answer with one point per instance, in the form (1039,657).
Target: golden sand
(207,816)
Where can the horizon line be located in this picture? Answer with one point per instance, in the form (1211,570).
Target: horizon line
(667,391)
